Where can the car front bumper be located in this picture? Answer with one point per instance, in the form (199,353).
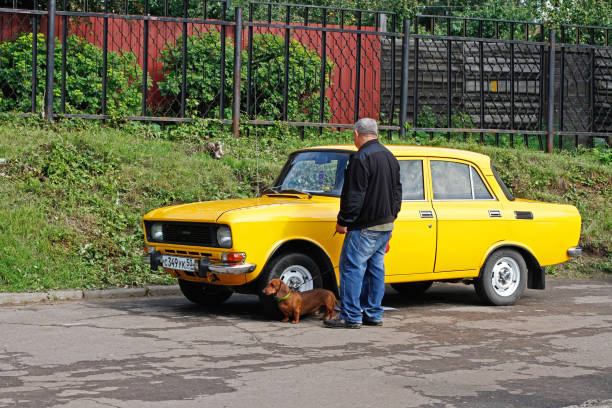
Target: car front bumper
(204,265)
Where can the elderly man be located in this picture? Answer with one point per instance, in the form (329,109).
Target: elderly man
(371,198)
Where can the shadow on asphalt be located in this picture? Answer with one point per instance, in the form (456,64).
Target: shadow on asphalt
(247,307)
(439,293)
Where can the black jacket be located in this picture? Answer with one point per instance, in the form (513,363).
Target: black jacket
(372,192)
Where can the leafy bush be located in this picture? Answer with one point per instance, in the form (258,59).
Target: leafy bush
(83,77)
(304,79)
(204,79)
(203,74)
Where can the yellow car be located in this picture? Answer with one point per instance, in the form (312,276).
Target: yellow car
(458,222)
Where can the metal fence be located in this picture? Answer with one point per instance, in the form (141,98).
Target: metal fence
(307,66)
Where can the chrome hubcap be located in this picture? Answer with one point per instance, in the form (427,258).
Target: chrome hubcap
(298,278)
(506,276)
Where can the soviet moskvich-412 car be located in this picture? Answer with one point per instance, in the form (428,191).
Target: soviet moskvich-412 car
(458,222)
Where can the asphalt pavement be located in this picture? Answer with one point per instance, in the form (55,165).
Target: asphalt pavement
(552,349)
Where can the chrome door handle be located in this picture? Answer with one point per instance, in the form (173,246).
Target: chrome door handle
(426,214)
(495,213)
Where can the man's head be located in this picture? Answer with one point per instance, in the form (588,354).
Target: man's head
(365,130)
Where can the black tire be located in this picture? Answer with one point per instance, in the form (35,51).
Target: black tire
(503,278)
(297,270)
(204,294)
(412,289)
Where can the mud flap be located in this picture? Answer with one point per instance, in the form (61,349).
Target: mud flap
(536,278)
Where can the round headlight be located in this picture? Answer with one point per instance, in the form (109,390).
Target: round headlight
(224,236)
(157,232)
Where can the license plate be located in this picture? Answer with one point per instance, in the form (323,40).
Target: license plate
(179,262)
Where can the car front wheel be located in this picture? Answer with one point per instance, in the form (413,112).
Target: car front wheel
(503,278)
(204,294)
(297,270)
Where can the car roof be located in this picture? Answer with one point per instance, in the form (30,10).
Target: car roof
(423,151)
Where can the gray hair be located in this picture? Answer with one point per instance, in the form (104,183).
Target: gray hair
(366,126)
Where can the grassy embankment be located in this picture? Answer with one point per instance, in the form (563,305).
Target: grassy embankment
(73,194)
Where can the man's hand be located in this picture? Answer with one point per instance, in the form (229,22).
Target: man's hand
(340,229)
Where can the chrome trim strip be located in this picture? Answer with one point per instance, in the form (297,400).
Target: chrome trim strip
(470,170)
(231,269)
(465,199)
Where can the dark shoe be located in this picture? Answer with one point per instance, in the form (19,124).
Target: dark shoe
(341,324)
(368,322)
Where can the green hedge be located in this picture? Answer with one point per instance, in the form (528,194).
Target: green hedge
(304,79)
(83,77)
(204,79)
(203,74)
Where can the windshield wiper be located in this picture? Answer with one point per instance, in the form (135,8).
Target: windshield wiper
(293,191)
(274,190)
(270,190)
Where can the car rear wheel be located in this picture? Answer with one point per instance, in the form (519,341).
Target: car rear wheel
(412,289)
(204,294)
(503,278)
(297,270)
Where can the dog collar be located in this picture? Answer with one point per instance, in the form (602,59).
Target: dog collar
(284,297)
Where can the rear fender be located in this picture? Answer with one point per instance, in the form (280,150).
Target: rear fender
(536,274)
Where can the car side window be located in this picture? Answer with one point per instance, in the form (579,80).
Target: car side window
(480,190)
(411,177)
(457,181)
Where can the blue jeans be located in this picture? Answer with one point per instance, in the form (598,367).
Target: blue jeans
(362,274)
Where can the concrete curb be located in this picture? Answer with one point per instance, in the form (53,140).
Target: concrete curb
(114,293)
(62,295)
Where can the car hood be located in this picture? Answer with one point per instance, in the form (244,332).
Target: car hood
(210,211)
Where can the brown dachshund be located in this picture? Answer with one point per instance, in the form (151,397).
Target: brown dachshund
(296,304)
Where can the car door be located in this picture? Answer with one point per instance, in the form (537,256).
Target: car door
(468,213)
(412,248)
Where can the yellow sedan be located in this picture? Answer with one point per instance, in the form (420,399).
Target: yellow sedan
(458,222)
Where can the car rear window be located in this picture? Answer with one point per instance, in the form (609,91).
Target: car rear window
(411,177)
(457,181)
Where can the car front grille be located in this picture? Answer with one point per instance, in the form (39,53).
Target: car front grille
(187,233)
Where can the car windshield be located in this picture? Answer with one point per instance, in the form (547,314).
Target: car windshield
(314,172)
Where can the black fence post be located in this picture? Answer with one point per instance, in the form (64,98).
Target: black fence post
(512,112)
(50,58)
(145,59)
(286,66)
(104,57)
(237,70)
(34,57)
(415,83)
(358,68)
(222,65)
(481,67)
(184,63)
(323,70)
(562,87)
(449,79)
(592,87)
(249,89)
(393,73)
(551,94)
(64,51)
(541,93)
(405,69)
